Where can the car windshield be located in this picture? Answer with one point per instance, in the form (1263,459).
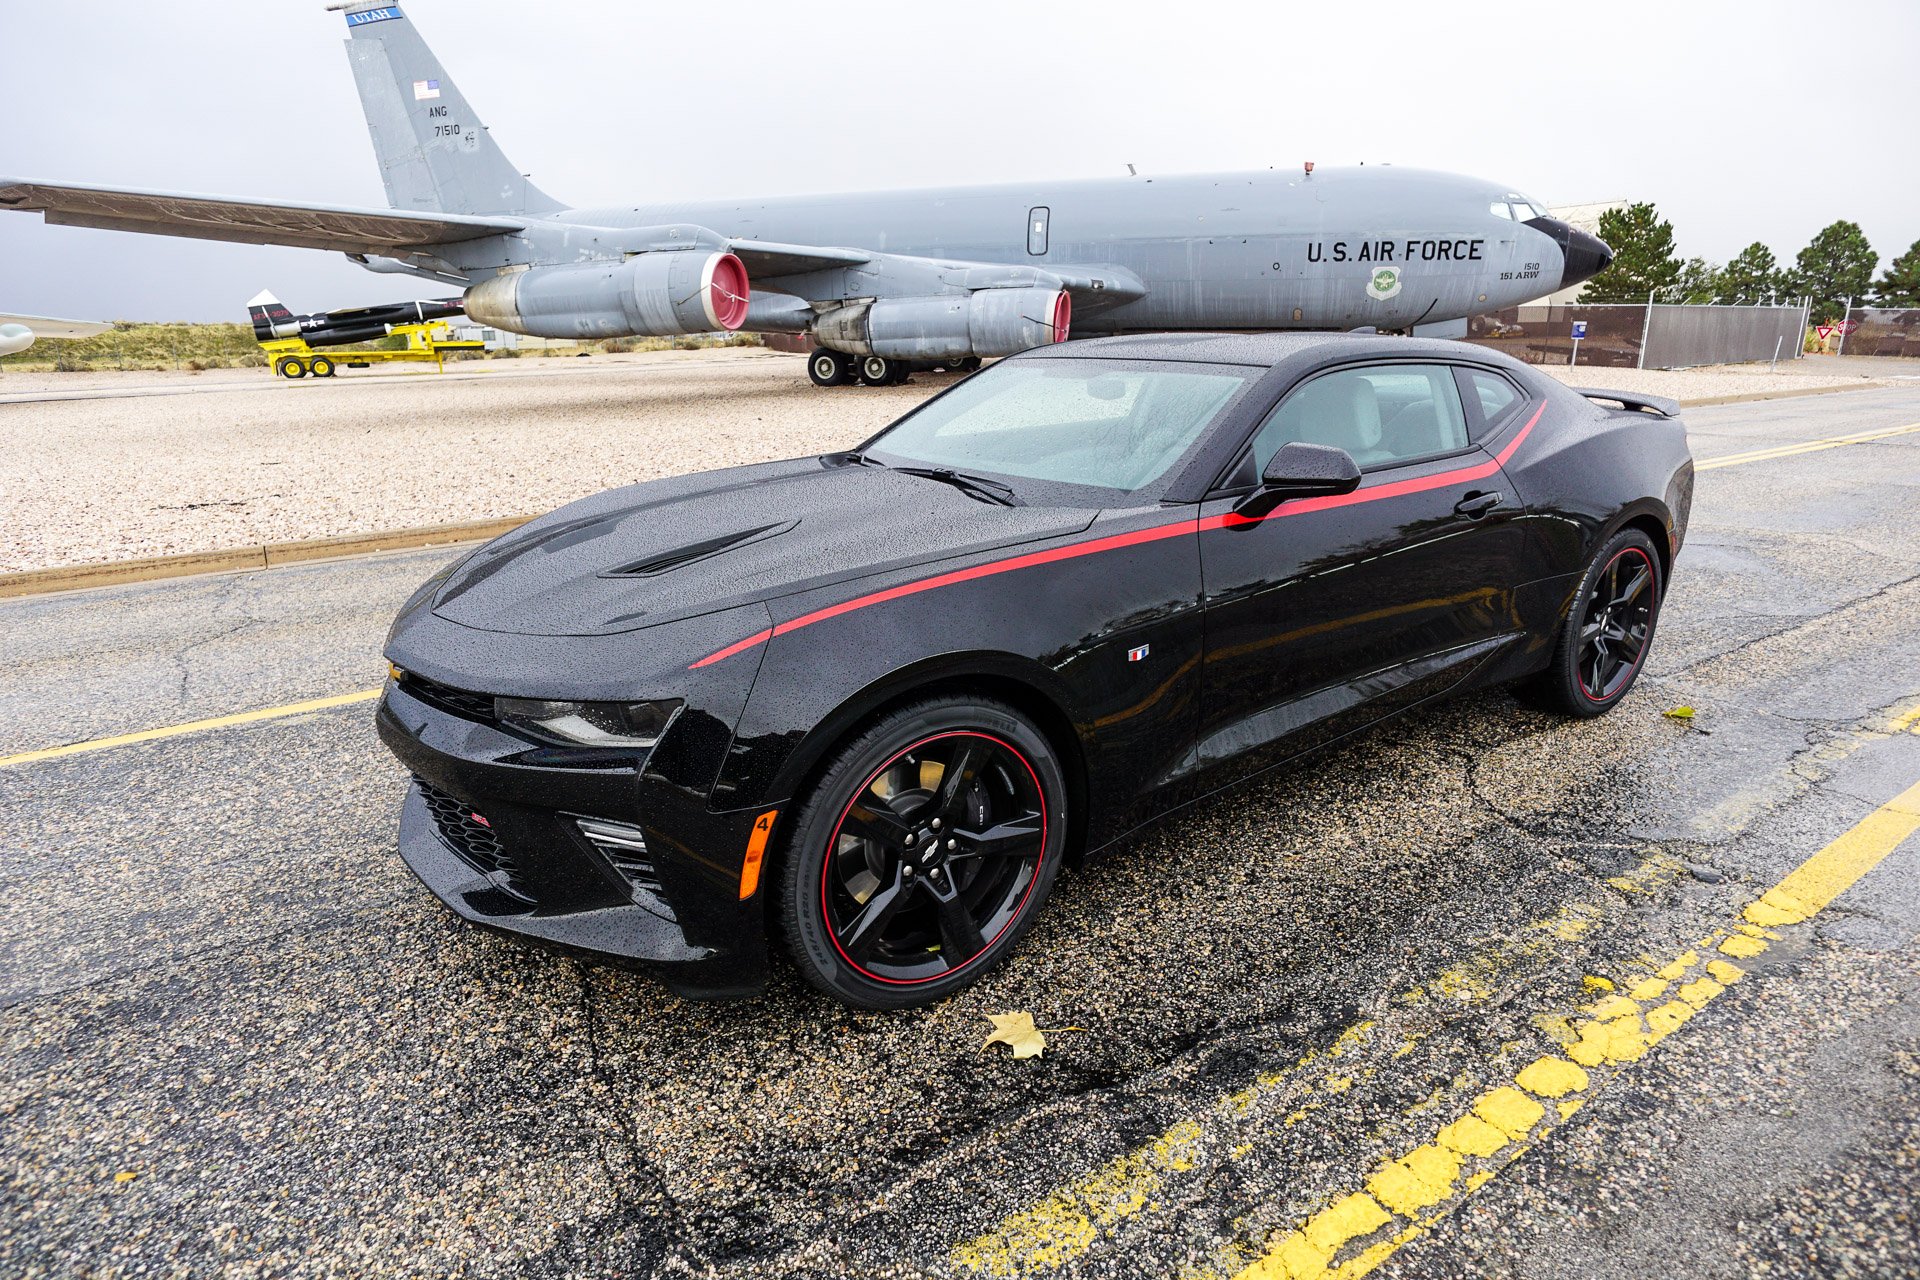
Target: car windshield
(1110,424)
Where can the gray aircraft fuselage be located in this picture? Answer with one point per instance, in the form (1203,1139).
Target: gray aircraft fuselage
(1261,250)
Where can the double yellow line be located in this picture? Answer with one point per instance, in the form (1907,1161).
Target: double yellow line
(1805,446)
(1404,1196)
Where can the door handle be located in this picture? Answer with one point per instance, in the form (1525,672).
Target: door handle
(1476,505)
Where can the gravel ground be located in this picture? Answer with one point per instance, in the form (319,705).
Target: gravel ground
(100,467)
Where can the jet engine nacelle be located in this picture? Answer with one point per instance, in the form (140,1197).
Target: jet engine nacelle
(987,322)
(651,294)
(14,338)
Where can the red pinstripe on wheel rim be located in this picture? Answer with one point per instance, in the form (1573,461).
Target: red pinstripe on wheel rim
(827,866)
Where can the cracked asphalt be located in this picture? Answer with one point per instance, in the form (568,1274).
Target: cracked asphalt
(237,1039)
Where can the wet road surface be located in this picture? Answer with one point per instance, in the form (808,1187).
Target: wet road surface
(236,1037)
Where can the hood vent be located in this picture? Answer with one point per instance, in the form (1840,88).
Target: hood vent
(696,551)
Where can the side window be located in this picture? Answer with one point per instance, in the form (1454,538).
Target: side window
(1493,395)
(1383,415)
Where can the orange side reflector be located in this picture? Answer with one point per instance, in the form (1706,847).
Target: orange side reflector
(756,853)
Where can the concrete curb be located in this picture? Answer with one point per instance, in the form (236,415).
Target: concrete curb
(78,577)
(1752,397)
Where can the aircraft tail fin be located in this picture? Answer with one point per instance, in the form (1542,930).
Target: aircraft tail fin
(434,153)
(270,317)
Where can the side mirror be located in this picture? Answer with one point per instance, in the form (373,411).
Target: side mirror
(1302,471)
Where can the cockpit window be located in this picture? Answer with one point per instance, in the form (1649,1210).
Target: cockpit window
(1499,209)
(1524,210)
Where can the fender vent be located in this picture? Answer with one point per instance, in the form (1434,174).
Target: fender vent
(695,551)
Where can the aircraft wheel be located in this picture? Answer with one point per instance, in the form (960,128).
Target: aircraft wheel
(880,371)
(291,368)
(830,368)
(966,365)
(322,367)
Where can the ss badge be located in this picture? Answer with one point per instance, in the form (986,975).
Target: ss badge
(1134,655)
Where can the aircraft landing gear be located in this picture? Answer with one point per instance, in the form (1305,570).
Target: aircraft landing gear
(965,365)
(883,371)
(830,368)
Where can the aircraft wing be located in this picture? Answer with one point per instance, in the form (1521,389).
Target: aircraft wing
(1095,287)
(764,258)
(306,226)
(48,327)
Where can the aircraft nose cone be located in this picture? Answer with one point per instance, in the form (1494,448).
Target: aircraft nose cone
(1587,256)
(1582,256)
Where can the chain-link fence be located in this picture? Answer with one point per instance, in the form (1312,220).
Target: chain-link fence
(1882,331)
(1642,335)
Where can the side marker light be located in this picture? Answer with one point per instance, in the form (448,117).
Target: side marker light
(756,853)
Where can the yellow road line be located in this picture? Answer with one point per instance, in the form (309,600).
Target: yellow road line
(1406,1196)
(192,726)
(1068,1223)
(1806,446)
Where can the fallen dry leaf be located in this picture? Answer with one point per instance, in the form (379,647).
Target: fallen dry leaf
(1017,1032)
(127,1176)
(1679,713)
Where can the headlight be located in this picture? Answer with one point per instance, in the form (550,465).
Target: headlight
(631,725)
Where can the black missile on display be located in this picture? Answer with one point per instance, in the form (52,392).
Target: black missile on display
(272,320)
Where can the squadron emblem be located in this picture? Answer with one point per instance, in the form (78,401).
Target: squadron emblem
(1384,283)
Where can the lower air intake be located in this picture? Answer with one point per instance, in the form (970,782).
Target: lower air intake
(625,846)
(471,838)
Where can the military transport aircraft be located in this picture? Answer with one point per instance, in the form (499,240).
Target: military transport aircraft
(884,281)
(17,333)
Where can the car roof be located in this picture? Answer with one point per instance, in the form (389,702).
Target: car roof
(1265,350)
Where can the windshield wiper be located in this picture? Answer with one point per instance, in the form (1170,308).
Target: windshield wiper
(973,486)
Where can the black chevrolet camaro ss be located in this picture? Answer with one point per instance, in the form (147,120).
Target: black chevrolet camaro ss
(871,703)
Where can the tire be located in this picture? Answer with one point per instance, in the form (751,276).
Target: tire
(968,365)
(322,367)
(1608,631)
(830,368)
(290,368)
(882,371)
(968,887)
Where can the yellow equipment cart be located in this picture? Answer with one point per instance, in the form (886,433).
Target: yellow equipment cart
(293,358)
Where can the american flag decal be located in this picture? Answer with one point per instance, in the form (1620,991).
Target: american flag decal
(1134,655)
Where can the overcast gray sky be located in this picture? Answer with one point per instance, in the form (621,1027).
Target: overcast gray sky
(1755,121)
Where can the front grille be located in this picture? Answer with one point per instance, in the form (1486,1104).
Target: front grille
(455,702)
(470,837)
(625,846)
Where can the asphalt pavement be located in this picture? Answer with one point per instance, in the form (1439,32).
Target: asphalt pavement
(237,1039)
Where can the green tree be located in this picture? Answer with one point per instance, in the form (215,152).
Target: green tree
(1752,276)
(1700,282)
(1643,258)
(1900,286)
(1838,265)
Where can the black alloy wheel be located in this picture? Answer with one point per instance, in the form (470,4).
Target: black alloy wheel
(1604,641)
(831,368)
(924,853)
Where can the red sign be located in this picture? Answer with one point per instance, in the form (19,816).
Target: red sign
(1847,326)
(1823,330)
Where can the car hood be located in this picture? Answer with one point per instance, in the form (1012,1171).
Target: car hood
(675,548)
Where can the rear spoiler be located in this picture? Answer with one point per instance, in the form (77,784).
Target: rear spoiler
(1657,405)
